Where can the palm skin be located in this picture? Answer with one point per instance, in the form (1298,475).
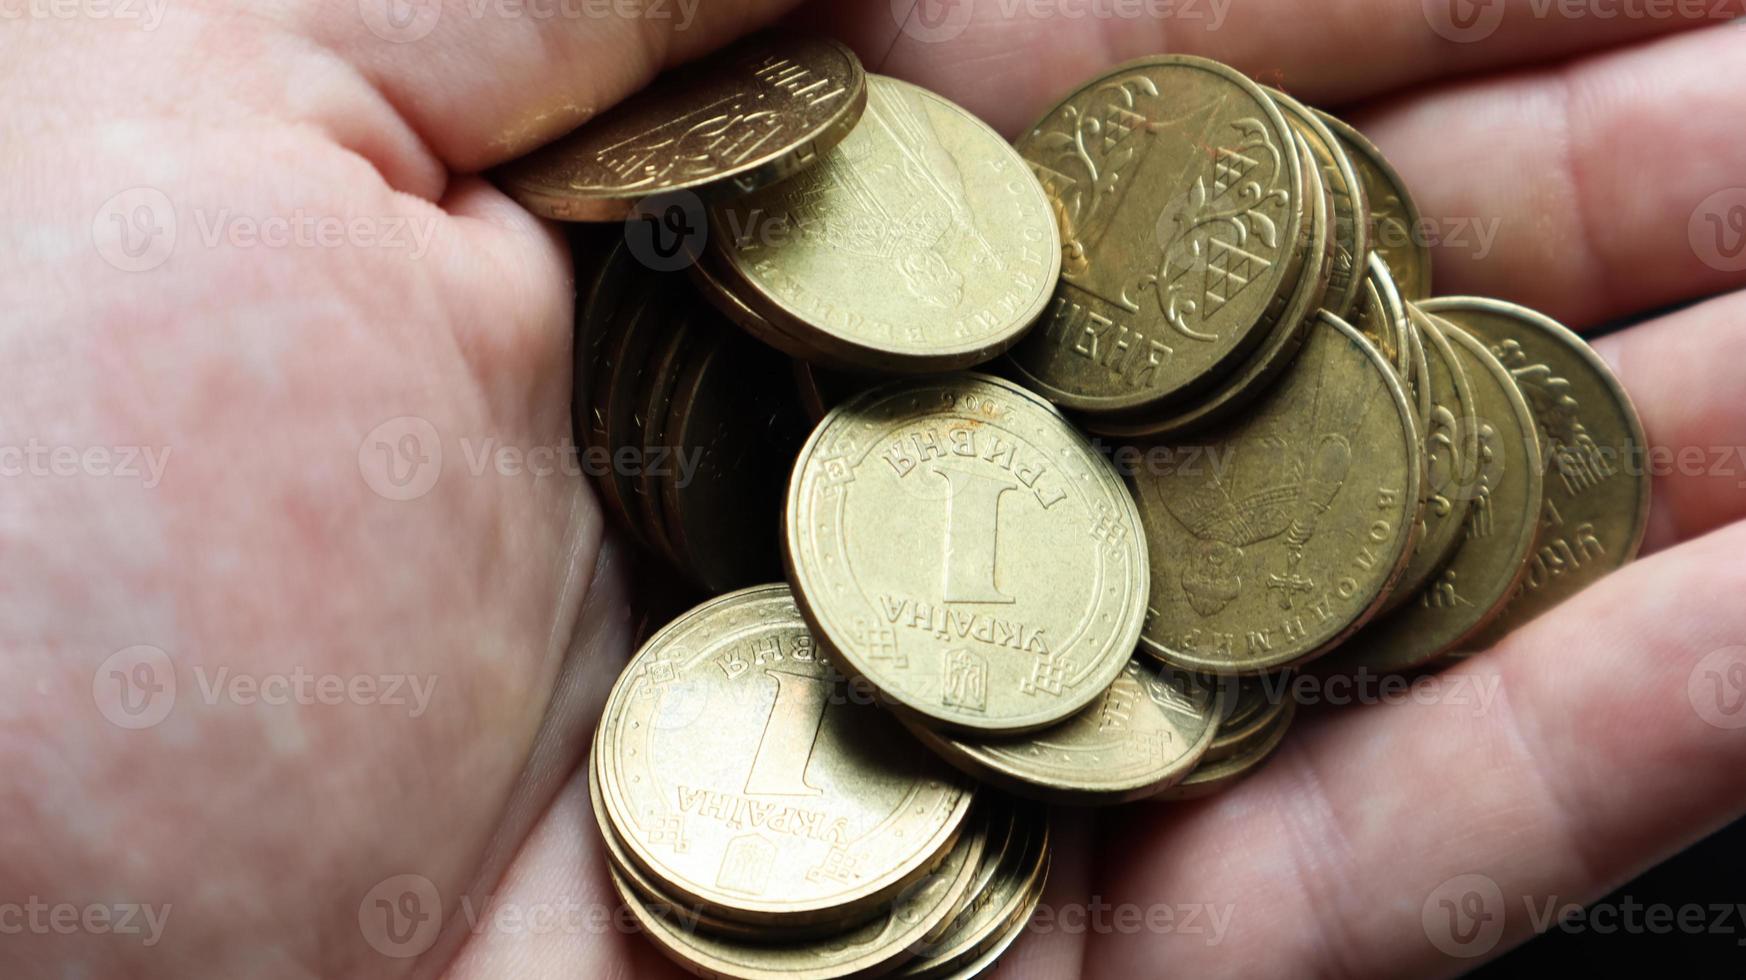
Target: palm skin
(271,546)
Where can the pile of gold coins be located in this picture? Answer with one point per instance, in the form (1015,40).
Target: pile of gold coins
(1220,432)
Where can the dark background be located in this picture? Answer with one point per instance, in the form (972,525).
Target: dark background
(1714,871)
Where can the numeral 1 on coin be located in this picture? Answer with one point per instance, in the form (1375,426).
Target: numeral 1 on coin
(779,768)
(972,524)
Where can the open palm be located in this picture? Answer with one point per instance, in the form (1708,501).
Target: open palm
(353,492)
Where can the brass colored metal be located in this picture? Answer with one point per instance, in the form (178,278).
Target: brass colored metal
(756,113)
(1291,536)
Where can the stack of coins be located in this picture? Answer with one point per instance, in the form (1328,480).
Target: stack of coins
(697,422)
(811,838)
(1302,462)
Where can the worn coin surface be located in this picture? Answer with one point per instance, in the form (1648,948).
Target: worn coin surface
(875,947)
(1350,215)
(1147,731)
(1451,447)
(1472,587)
(1290,536)
(921,243)
(1178,189)
(754,114)
(957,544)
(1394,219)
(736,775)
(1597,483)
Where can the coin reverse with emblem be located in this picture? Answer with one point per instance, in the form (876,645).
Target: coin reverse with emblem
(1291,535)
(734,773)
(921,243)
(1470,590)
(1292,314)
(1148,730)
(1597,488)
(1178,187)
(957,544)
(754,114)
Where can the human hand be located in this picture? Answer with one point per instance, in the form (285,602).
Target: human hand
(302,385)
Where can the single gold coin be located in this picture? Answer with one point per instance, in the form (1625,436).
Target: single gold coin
(1395,226)
(1179,191)
(1382,318)
(1011,931)
(999,906)
(958,545)
(1351,210)
(734,425)
(1451,447)
(880,945)
(1290,536)
(736,774)
(1245,700)
(603,286)
(650,414)
(1597,483)
(618,862)
(1146,732)
(636,325)
(1472,587)
(754,114)
(1264,699)
(1292,315)
(921,243)
(1216,776)
(1005,836)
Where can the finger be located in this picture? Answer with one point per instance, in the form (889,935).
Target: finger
(482,81)
(1612,736)
(1579,190)
(1007,60)
(542,905)
(1682,374)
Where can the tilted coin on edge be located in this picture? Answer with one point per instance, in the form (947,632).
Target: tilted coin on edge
(744,118)
(922,243)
